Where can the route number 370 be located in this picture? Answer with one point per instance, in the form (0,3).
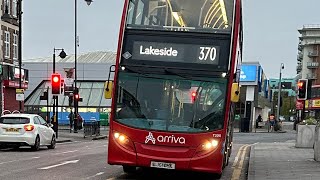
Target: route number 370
(207,53)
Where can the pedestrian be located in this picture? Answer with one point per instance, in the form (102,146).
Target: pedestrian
(80,121)
(272,122)
(259,119)
(71,120)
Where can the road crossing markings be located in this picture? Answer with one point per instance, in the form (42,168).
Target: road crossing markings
(238,166)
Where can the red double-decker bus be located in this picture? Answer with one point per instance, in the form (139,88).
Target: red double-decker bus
(175,84)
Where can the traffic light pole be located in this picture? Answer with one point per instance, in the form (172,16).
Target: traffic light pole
(55,128)
(303,110)
(55,98)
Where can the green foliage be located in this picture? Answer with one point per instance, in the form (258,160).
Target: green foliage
(310,121)
(288,103)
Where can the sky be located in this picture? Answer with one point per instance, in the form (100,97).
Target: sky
(270,29)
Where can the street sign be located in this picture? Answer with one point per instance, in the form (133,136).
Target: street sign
(20,94)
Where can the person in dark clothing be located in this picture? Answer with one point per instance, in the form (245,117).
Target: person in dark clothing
(71,119)
(259,119)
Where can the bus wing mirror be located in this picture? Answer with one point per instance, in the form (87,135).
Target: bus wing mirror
(108,89)
(235,92)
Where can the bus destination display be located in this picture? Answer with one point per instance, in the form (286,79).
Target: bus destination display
(171,52)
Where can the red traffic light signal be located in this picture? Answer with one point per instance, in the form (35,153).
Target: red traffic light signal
(193,96)
(302,89)
(56,83)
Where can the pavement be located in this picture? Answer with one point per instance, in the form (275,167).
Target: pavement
(285,127)
(64,135)
(282,161)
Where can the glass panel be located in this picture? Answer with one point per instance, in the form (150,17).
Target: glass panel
(184,15)
(95,97)
(171,103)
(105,102)
(84,93)
(35,99)
(14,120)
(61,100)
(85,85)
(98,85)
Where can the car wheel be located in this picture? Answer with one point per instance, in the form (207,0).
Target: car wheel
(53,143)
(36,145)
(129,169)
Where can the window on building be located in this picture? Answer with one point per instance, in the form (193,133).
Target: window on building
(15,46)
(7,44)
(8,4)
(14,8)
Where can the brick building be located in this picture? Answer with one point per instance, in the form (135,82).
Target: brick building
(9,53)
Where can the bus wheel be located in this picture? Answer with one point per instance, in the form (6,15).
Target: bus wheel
(217,176)
(129,169)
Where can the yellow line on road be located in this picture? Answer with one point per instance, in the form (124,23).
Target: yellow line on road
(238,156)
(237,171)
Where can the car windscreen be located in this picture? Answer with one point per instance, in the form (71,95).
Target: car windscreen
(14,120)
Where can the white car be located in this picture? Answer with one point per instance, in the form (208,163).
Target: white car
(26,130)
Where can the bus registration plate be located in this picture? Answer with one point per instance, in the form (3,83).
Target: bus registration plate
(163,165)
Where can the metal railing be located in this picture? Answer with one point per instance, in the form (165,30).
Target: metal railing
(91,128)
(312,76)
(311,65)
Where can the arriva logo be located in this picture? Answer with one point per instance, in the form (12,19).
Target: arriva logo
(158,52)
(165,139)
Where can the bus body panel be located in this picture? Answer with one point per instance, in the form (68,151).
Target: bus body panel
(185,156)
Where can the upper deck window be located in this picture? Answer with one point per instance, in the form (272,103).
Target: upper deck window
(181,15)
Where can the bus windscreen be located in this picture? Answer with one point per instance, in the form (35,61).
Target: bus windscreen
(170,102)
(181,15)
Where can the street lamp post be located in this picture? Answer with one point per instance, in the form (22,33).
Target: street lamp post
(76,44)
(19,11)
(55,110)
(279,92)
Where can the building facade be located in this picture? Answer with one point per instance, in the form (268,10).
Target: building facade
(308,53)
(9,53)
(254,93)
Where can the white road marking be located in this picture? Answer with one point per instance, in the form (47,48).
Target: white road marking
(98,174)
(61,164)
(66,152)
(19,160)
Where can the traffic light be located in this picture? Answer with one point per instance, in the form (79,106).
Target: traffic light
(193,96)
(76,96)
(302,89)
(56,83)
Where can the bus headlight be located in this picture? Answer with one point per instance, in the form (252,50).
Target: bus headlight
(210,144)
(123,140)
(207,147)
